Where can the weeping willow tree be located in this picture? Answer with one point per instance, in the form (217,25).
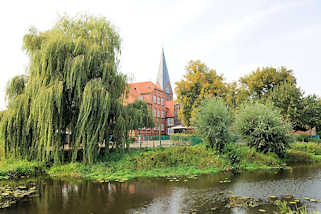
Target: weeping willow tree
(72,87)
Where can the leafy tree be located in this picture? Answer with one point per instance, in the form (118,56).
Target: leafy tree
(213,121)
(199,83)
(303,112)
(263,80)
(73,87)
(263,127)
(289,99)
(312,112)
(236,95)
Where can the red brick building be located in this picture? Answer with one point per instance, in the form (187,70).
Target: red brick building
(159,98)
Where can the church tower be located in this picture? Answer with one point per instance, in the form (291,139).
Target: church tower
(163,80)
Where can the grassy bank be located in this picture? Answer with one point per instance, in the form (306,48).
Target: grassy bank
(13,169)
(160,162)
(177,161)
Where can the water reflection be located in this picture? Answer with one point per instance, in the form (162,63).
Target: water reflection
(207,194)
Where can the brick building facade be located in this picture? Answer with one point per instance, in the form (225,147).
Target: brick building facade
(159,98)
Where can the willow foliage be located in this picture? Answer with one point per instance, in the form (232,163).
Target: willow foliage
(72,87)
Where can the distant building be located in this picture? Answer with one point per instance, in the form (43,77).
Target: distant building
(159,98)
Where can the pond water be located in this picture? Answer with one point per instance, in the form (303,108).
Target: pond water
(204,194)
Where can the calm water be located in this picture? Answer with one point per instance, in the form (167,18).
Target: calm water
(201,195)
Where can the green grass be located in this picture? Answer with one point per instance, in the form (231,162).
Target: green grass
(176,161)
(160,162)
(311,147)
(12,169)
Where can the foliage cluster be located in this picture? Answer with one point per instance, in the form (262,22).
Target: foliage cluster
(260,82)
(311,147)
(303,138)
(12,169)
(251,159)
(200,83)
(263,128)
(213,121)
(233,153)
(302,111)
(177,156)
(266,84)
(72,88)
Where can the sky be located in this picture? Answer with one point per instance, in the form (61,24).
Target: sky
(232,36)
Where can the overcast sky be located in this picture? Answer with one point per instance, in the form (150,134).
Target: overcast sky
(233,37)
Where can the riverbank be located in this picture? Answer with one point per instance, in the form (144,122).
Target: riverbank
(163,162)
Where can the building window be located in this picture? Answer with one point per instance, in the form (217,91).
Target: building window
(140,98)
(154,112)
(162,127)
(158,113)
(170,121)
(162,114)
(154,99)
(158,100)
(162,101)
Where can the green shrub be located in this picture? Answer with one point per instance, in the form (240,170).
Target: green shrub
(303,138)
(233,153)
(314,140)
(251,156)
(212,123)
(311,147)
(263,128)
(183,156)
(11,169)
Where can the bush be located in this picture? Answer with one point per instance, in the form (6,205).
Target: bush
(263,127)
(251,156)
(212,123)
(233,153)
(311,147)
(303,138)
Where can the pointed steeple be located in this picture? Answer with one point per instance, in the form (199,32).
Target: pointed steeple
(163,80)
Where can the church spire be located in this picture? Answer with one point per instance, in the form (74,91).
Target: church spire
(163,80)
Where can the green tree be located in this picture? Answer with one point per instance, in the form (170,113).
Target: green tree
(263,127)
(199,83)
(213,121)
(73,87)
(260,82)
(236,94)
(289,99)
(312,112)
(304,112)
